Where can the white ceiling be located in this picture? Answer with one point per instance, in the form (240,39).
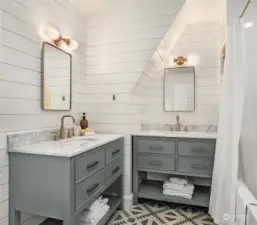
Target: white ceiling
(203,10)
(99,8)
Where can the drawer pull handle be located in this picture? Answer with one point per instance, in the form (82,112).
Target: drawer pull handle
(155,163)
(156,147)
(199,166)
(199,150)
(90,190)
(93,165)
(115,152)
(115,170)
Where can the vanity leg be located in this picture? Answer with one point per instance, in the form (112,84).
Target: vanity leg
(135,189)
(134,177)
(15,217)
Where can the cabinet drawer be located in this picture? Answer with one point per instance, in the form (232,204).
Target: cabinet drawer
(87,165)
(156,161)
(195,165)
(113,151)
(196,148)
(89,188)
(156,145)
(114,169)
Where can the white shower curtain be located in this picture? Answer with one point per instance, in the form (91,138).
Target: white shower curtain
(223,196)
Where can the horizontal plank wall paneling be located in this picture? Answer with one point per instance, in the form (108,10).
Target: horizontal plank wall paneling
(20,75)
(201,39)
(119,48)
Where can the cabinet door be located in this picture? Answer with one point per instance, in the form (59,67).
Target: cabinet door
(156,145)
(86,166)
(196,148)
(89,188)
(157,162)
(201,165)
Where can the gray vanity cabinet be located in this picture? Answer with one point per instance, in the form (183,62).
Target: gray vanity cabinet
(162,157)
(62,187)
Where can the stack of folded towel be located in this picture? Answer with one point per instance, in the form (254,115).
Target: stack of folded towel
(178,187)
(96,212)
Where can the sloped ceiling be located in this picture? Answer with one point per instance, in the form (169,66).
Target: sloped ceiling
(99,8)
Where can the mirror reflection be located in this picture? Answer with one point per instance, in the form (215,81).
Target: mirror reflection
(179,89)
(56,78)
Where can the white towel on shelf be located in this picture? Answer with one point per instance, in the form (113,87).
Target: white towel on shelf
(96,204)
(188,192)
(177,187)
(177,194)
(92,218)
(96,211)
(177,180)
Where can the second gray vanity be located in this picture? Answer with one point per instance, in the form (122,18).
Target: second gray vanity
(156,157)
(61,179)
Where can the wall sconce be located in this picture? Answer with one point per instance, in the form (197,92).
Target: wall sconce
(189,60)
(71,44)
(52,35)
(180,60)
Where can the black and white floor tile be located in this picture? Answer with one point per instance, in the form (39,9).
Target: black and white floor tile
(149,212)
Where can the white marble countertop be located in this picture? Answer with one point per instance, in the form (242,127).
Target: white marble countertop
(67,147)
(181,134)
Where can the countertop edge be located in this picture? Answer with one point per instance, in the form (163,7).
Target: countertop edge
(67,155)
(214,137)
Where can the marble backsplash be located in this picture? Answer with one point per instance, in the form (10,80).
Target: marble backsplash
(17,140)
(20,139)
(170,127)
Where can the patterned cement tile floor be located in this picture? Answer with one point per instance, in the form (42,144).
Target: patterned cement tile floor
(149,212)
(162,213)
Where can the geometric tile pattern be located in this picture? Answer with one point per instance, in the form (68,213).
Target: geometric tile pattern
(149,212)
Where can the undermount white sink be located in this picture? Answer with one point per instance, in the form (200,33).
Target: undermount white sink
(82,138)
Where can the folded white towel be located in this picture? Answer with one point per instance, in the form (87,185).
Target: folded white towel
(186,188)
(93,217)
(189,192)
(177,180)
(104,200)
(177,194)
(96,210)
(96,204)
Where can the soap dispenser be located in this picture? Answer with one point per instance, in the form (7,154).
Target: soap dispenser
(84,122)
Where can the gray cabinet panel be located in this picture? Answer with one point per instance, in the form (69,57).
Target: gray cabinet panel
(156,161)
(156,145)
(196,148)
(89,164)
(189,164)
(113,151)
(89,189)
(69,185)
(162,157)
(114,169)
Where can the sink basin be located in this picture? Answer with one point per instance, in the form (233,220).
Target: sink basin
(82,138)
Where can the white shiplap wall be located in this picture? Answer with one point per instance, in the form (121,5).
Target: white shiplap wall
(119,46)
(203,40)
(20,74)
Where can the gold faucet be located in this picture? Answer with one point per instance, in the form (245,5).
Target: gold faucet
(177,125)
(62,129)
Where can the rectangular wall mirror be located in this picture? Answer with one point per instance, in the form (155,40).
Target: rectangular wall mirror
(179,89)
(57,74)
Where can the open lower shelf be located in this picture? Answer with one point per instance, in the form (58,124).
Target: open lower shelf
(114,203)
(154,190)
